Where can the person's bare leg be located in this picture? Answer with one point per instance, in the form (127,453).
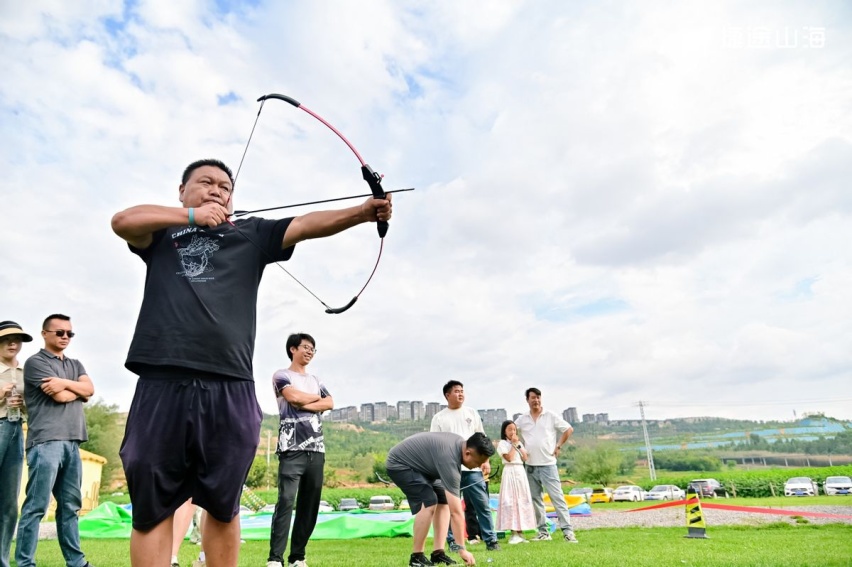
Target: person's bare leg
(152,548)
(182,519)
(440,525)
(422,521)
(220,541)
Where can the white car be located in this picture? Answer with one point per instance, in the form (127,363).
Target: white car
(665,492)
(628,493)
(800,486)
(379,503)
(835,485)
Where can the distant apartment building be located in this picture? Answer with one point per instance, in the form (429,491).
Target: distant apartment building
(431,409)
(380,411)
(588,418)
(570,415)
(602,418)
(392,413)
(368,413)
(403,410)
(492,416)
(418,411)
(349,413)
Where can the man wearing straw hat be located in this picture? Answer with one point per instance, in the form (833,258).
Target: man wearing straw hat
(12,337)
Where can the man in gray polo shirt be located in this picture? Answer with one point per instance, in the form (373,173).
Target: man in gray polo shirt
(55,388)
(427,468)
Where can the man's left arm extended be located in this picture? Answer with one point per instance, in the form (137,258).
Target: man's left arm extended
(320,224)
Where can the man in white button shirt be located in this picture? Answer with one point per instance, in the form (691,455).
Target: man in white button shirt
(465,421)
(544,433)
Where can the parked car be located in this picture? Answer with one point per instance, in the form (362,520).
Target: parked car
(665,492)
(708,488)
(600,495)
(628,493)
(403,504)
(584,491)
(800,486)
(347,504)
(381,503)
(325,506)
(834,485)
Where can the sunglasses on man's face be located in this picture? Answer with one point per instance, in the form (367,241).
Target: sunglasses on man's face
(61,333)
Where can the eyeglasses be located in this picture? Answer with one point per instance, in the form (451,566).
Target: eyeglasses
(308,349)
(61,333)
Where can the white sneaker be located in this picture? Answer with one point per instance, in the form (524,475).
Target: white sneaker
(299,563)
(273,564)
(542,536)
(516,539)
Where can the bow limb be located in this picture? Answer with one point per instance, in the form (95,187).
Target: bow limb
(373,179)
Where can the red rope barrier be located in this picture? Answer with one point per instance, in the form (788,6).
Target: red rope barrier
(750,509)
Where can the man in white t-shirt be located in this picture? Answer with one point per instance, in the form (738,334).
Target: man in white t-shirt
(464,422)
(544,434)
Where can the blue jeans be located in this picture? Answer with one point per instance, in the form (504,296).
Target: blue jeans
(546,477)
(475,494)
(11,463)
(54,466)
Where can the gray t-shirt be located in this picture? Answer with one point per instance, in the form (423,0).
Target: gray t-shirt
(436,455)
(50,420)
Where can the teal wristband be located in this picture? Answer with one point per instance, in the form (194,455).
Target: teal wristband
(191,217)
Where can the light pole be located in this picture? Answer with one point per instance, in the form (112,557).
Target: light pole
(651,470)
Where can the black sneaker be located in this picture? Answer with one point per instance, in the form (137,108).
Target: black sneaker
(440,558)
(492,546)
(419,560)
(454,547)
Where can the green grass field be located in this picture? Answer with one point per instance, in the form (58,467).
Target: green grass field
(772,545)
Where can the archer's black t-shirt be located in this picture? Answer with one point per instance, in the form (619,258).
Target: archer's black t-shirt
(200,301)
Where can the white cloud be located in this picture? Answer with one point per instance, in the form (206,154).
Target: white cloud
(612,203)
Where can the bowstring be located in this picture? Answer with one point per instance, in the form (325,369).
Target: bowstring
(267,254)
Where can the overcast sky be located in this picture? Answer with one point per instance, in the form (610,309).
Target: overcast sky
(613,203)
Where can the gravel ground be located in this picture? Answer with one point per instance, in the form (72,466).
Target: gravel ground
(676,517)
(665,517)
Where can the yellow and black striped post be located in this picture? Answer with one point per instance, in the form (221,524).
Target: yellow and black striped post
(695,525)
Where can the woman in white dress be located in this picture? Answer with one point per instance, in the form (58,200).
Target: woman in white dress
(515,512)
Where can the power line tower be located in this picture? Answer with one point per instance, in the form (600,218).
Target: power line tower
(651,470)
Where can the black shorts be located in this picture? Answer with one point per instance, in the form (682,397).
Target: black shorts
(419,490)
(194,437)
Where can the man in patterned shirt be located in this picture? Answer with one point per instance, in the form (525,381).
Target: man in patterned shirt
(301,451)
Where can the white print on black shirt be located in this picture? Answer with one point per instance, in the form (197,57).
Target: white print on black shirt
(195,259)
